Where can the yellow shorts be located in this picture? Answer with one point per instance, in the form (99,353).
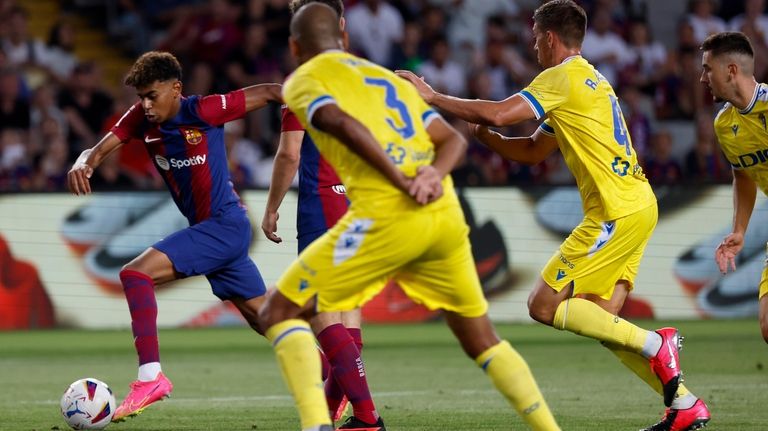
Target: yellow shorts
(427,252)
(597,254)
(764,278)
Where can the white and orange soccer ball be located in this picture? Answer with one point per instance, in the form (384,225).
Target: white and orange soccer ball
(88,404)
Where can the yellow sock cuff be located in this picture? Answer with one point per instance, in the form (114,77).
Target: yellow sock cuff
(484,358)
(561,315)
(276,332)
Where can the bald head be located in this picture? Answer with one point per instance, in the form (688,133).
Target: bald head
(315,28)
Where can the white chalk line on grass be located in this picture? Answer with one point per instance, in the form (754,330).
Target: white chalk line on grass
(283,397)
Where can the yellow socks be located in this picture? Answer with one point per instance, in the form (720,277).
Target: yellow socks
(510,374)
(639,365)
(297,355)
(586,318)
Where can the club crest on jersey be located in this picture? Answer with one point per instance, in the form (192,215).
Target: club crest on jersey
(193,136)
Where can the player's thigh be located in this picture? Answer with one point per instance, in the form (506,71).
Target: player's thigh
(597,254)
(238,279)
(445,276)
(155,264)
(207,246)
(350,263)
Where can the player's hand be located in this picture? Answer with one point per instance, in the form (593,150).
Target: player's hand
(269,226)
(78,178)
(725,254)
(425,90)
(427,186)
(477,130)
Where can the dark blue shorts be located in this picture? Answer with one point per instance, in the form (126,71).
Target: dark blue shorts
(305,239)
(218,249)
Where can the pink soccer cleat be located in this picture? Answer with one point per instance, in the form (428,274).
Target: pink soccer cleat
(142,395)
(688,419)
(666,363)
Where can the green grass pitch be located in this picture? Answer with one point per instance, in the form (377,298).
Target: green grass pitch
(227,379)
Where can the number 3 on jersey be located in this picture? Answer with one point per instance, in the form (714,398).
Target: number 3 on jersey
(394,103)
(395,152)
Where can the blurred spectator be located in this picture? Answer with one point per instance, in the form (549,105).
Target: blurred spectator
(374,27)
(86,106)
(442,73)
(605,49)
(679,94)
(645,60)
(638,114)
(505,68)
(247,162)
(44,110)
(52,164)
(15,170)
(61,59)
(468,19)
(432,22)
(754,23)
(207,36)
(705,162)
(14,110)
(23,50)
(409,54)
(255,61)
(200,80)
(110,176)
(660,166)
(703,20)
(130,27)
(277,18)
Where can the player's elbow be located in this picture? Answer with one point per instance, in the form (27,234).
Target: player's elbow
(287,157)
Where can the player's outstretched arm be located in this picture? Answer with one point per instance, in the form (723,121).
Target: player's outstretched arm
(506,112)
(332,120)
(529,150)
(78,177)
(257,96)
(744,194)
(284,169)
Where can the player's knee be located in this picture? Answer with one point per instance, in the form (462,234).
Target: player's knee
(764,329)
(540,312)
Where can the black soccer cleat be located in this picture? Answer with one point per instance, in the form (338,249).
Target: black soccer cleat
(353,423)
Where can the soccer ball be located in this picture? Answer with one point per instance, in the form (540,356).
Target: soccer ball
(88,404)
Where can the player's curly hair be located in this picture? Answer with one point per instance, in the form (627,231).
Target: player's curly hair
(153,66)
(337,5)
(565,18)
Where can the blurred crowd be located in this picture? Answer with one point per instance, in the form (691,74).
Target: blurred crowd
(53,105)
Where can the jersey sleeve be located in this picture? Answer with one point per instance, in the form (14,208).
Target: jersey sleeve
(218,109)
(127,126)
(289,122)
(304,94)
(547,91)
(547,128)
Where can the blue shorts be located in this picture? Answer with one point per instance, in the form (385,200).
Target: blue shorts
(218,249)
(306,239)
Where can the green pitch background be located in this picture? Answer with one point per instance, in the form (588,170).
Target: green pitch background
(227,379)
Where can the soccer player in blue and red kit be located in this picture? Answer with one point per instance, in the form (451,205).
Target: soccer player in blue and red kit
(322,202)
(184,137)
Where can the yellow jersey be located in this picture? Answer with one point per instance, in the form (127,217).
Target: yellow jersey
(389,106)
(583,113)
(743,136)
